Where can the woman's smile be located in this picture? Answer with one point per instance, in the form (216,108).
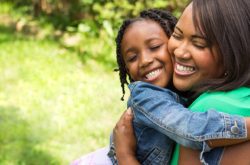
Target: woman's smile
(195,61)
(183,70)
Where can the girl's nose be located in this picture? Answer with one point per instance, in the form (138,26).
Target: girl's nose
(146,59)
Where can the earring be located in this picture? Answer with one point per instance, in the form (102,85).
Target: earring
(225,74)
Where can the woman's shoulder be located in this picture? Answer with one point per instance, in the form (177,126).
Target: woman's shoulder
(231,101)
(236,94)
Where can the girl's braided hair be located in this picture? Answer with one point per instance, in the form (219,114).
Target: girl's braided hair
(164,18)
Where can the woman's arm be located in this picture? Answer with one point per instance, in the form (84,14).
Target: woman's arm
(158,108)
(124,140)
(235,154)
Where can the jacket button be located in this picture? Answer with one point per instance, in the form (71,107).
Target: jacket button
(235,129)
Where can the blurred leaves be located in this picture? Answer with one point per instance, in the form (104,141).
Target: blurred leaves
(63,13)
(86,26)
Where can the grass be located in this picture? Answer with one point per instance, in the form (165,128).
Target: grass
(54,107)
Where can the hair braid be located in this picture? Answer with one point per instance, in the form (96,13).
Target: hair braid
(121,64)
(165,19)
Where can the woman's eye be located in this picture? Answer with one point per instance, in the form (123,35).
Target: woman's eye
(155,47)
(200,45)
(176,36)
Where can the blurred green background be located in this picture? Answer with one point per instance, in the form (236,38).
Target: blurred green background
(59,96)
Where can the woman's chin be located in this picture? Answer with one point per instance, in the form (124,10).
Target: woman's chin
(182,86)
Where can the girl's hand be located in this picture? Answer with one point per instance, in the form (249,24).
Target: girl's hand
(124,139)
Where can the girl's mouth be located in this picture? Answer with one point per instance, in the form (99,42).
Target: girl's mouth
(151,76)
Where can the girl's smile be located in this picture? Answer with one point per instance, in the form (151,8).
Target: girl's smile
(144,50)
(152,75)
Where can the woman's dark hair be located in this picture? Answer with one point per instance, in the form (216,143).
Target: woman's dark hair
(164,18)
(226,23)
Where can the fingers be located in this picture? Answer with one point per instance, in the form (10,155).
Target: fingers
(125,120)
(128,115)
(123,135)
(124,125)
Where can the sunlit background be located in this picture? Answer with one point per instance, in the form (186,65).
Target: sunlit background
(59,96)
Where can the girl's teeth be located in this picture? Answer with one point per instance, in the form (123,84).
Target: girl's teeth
(184,68)
(152,74)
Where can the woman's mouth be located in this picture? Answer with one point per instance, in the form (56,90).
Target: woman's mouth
(184,70)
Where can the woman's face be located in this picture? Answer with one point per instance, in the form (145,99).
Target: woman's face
(145,52)
(194,60)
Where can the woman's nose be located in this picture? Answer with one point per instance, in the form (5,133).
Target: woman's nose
(182,51)
(146,59)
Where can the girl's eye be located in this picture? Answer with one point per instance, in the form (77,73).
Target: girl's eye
(132,58)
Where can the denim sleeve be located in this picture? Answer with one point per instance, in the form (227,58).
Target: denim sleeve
(159,108)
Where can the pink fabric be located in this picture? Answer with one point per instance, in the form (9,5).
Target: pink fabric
(98,157)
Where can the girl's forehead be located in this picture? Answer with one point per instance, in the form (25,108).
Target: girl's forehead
(142,33)
(144,29)
(141,22)
(145,25)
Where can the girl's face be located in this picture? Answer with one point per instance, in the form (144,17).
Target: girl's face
(194,60)
(144,50)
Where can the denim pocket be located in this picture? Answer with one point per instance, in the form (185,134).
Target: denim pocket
(154,157)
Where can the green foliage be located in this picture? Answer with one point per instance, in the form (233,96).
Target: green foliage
(50,110)
(71,13)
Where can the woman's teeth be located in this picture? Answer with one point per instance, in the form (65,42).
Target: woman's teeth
(182,68)
(153,74)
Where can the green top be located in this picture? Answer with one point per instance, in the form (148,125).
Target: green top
(233,102)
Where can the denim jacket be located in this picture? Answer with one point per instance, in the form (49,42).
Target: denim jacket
(160,120)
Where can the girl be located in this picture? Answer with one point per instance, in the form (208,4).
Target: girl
(205,58)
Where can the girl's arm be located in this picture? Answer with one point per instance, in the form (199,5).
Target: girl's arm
(158,108)
(227,142)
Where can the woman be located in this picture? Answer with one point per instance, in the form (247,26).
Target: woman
(218,36)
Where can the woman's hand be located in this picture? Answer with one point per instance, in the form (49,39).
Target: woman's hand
(124,139)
